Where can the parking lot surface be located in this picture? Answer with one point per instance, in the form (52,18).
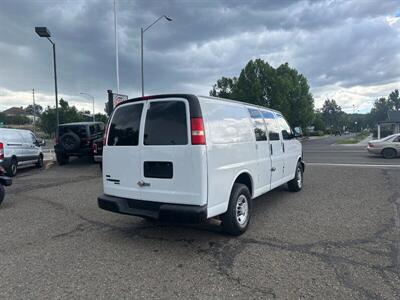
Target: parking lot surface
(339,238)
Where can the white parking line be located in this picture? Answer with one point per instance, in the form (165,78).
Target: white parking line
(352,165)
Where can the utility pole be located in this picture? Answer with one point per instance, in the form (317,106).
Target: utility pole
(34,112)
(116,45)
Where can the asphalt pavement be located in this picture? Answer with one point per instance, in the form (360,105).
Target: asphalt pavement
(339,238)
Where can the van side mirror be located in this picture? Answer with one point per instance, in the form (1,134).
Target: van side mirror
(43,143)
(297,132)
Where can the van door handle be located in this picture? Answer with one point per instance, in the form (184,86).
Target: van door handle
(270,147)
(141,183)
(273,169)
(283,147)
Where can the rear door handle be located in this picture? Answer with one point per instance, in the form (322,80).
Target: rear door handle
(270,147)
(283,147)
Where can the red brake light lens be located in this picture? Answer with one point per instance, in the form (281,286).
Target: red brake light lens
(1,150)
(198,133)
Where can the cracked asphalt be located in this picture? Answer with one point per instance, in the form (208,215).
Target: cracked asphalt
(339,238)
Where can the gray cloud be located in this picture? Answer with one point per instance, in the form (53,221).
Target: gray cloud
(335,44)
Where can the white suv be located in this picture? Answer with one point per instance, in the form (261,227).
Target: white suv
(186,157)
(19,148)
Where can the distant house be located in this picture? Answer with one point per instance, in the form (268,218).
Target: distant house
(18,111)
(393,122)
(15,111)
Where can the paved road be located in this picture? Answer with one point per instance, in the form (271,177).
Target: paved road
(326,151)
(339,238)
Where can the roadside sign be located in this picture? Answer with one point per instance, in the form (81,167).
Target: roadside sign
(118,98)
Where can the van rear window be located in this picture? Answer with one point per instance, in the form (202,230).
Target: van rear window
(124,127)
(166,124)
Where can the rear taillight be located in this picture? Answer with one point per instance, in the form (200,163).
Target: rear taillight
(1,151)
(94,148)
(56,141)
(371,145)
(198,134)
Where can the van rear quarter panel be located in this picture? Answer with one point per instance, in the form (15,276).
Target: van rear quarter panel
(230,149)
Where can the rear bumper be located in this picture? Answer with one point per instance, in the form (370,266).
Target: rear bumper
(156,210)
(87,151)
(374,150)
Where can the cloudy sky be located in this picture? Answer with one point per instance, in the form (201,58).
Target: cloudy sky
(348,50)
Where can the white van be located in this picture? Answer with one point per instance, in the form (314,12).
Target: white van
(19,148)
(189,157)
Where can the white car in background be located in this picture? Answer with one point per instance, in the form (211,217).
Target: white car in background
(190,158)
(19,148)
(388,147)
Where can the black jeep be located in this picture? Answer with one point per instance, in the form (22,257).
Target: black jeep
(76,139)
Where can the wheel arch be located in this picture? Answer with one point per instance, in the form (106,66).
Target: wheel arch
(391,148)
(244,177)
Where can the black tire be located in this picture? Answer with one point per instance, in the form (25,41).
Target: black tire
(62,159)
(389,153)
(296,184)
(70,141)
(39,163)
(233,222)
(2,193)
(12,169)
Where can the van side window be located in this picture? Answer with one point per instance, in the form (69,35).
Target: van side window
(285,128)
(273,131)
(259,126)
(166,124)
(124,127)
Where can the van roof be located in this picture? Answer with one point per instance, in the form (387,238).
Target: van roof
(195,110)
(238,102)
(13,129)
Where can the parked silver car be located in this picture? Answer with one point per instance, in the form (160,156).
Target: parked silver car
(388,147)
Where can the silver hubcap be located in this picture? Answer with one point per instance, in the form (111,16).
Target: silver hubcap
(242,210)
(299,177)
(14,169)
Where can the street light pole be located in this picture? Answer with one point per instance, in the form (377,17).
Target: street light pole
(34,111)
(55,80)
(142,31)
(90,96)
(44,32)
(141,56)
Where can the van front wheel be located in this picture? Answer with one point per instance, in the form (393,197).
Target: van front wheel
(237,218)
(296,184)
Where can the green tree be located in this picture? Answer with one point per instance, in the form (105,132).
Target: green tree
(332,114)
(283,89)
(394,100)
(67,114)
(38,109)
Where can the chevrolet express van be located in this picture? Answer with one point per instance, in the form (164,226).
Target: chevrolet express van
(190,158)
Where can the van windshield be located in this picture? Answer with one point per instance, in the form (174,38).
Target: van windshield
(166,124)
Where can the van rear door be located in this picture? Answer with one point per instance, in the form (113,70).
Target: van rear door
(172,166)
(121,154)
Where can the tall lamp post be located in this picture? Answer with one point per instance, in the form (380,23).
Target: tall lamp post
(44,32)
(90,96)
(142,31)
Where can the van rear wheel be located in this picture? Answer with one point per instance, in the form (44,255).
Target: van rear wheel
(12,169)
(237,218)
(296,184)
(2,193)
